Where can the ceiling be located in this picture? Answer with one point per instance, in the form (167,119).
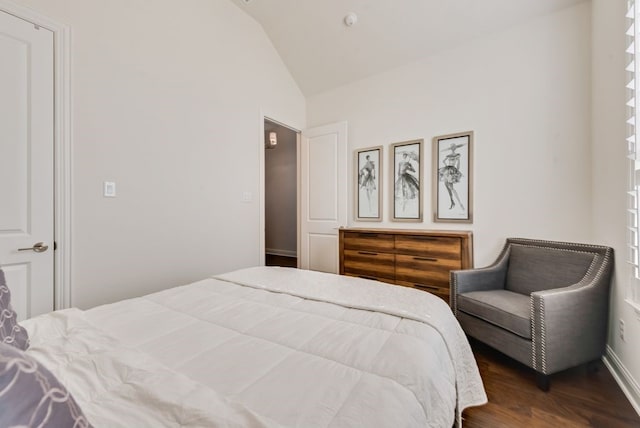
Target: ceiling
(322,53)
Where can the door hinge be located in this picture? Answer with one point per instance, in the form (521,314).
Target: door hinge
(55,245)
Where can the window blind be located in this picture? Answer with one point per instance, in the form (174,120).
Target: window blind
(633,191)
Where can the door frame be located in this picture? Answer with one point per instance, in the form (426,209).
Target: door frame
(262,191)
(62,143)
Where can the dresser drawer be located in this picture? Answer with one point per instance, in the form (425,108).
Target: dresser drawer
(443,247)
(387,280)
(369,264)
(368,241)
(419,259)
(441,292)
(425,270)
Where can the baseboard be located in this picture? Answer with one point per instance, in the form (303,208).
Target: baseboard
(626,382)
(284,253)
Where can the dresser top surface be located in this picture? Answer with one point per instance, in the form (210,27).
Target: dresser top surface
(453,233)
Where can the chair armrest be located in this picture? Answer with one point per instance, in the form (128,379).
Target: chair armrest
(569,324)
(481,279)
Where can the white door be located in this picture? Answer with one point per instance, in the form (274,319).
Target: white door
(26,164)
(323,195)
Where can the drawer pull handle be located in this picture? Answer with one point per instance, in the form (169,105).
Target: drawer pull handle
(426,287)
(368,277)
(367,253)
(425,259)
(367,235)
(424,238)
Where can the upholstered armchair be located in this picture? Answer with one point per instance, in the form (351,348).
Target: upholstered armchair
(542,303)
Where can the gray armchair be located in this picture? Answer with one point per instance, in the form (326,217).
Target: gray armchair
(542,303)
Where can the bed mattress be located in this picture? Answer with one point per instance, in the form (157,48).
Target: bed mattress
(265,347)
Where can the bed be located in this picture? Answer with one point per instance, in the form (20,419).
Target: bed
(264,347)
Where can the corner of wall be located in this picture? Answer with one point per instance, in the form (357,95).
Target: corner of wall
(623,377)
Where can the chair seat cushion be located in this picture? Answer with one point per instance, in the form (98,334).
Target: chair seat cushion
(503,308)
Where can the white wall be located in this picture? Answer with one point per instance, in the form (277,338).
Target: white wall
(526,94)
(167,102)
(610,178)
(281,177)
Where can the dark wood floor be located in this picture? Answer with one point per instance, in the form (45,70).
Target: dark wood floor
(577,398)
(273,260)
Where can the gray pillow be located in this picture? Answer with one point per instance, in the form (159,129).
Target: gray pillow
(31,396)
(10,332)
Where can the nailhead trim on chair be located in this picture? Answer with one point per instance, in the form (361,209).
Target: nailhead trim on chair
(572,244)
(454,293)
(543,338)
(534,359)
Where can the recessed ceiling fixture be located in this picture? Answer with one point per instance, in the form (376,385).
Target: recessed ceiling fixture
(350,20)
(247,1)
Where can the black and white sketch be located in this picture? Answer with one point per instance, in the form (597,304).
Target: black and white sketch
(407,181)
(368,190)
(452,185)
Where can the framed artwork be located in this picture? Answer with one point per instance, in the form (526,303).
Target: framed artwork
(368,177)
(406,158)
(453,178)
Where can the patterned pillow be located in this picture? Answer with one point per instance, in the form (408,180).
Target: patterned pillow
(10,332)
(31,396)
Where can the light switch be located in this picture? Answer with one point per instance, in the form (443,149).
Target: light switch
(247,196)
(109,189)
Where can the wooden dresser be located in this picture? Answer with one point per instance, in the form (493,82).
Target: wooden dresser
(419,259)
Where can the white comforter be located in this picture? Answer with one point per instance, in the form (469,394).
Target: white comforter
(265,347)
(117,386)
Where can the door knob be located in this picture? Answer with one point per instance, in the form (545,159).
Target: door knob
(38,247)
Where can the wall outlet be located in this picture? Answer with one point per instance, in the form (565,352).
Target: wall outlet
(109,189)
(621,329)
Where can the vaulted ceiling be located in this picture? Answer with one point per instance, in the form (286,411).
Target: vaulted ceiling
(322,52)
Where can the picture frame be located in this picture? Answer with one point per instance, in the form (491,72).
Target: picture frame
(368,190)
(407,180)
(453,178)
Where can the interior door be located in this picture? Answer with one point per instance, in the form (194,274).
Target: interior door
(323,195)
(26,164)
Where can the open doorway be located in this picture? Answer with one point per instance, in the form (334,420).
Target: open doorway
(281,194)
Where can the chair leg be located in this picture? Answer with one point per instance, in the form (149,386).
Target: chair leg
(593,366)
(542,381)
